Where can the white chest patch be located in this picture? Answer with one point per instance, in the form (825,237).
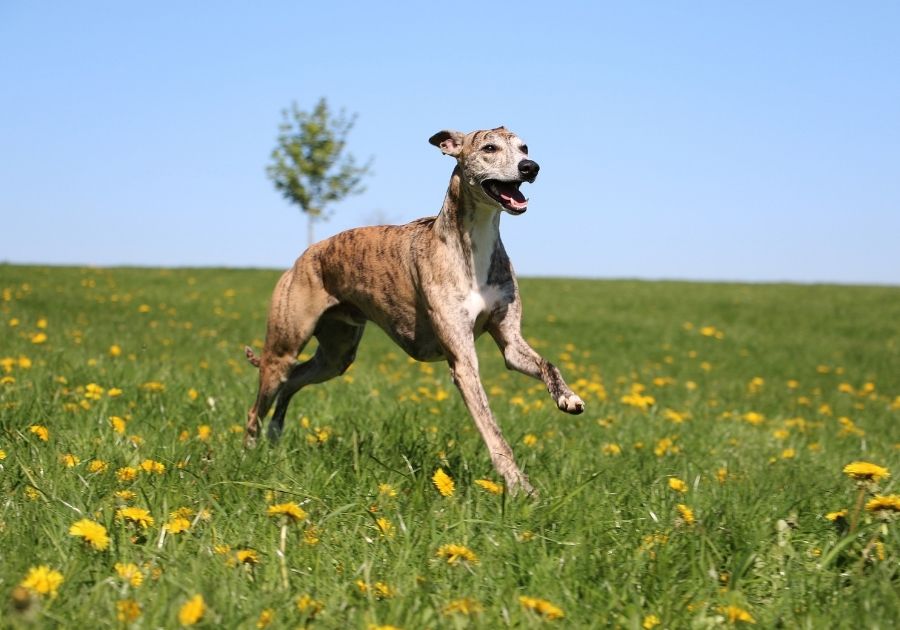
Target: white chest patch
(481,300)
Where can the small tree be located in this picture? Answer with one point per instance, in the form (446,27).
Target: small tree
(307,164)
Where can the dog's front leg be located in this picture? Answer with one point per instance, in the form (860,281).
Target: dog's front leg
(464,371)
(459,348)
(505,328)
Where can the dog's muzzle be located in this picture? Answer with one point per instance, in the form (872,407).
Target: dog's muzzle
(507,193)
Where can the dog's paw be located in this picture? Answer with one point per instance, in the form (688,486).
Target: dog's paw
(519,483)
(570,403)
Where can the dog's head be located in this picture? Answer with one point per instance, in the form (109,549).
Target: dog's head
(493,163)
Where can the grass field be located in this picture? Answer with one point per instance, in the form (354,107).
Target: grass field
(693,492)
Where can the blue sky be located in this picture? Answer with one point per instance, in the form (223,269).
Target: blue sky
(755,141)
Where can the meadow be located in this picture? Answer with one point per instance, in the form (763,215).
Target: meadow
(706,485)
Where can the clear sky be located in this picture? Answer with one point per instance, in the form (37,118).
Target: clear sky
(698,140)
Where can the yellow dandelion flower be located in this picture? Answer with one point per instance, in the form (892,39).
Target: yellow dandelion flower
(456,553)
(387,490)
(385,527)
(152,466)
(130,573)
(222,549)
(611,448)
(204,431)
(136,515)
(848,427)
(530,439)
(489,486)
(677,485)
(125,495)
(665,446)
(118,424)
(322,434)
(383,590)
(247,556)
(754,418)
(650,622)
(114,392)
(97,466)
(92,391)
(153,387)
(126,473)
(2,454)
(291,511)
(265,618)
(686,513)
(182,512)
(192,611)
(542,607)
(834,516)
(91,532)
(722,475)
(309,606)
(443,482)
(864,471)
(193,394)
(637,398)
(463,606)
(39,338)
(311,536)
(42,580)
(115,351)
(674,417)
(736,614)
(69,460)
(178,525)
(881,503)
(127,610)
(41,431)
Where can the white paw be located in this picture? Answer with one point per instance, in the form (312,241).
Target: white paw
(570,404)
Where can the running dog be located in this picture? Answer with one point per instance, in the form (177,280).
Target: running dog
(433,285)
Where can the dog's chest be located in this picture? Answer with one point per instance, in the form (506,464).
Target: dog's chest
(482,300)
(482,297)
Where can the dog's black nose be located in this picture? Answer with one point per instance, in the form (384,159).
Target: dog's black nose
(529,169)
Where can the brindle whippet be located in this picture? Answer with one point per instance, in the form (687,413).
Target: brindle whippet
(433,285)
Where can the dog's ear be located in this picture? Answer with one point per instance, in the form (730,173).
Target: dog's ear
(449,142)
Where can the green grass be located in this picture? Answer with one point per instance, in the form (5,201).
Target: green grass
(604,543)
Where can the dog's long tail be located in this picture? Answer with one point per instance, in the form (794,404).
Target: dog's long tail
(252,358)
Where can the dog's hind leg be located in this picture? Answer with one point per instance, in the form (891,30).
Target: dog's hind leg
(338,341)
(297,304)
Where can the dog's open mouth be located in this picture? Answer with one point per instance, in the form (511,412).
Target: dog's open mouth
(507,194)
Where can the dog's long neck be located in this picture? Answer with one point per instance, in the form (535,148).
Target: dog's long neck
(474,226)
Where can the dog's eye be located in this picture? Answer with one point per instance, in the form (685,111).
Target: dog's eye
(489,148)
(524,149)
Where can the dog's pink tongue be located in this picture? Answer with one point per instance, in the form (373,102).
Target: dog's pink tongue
(514,199)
